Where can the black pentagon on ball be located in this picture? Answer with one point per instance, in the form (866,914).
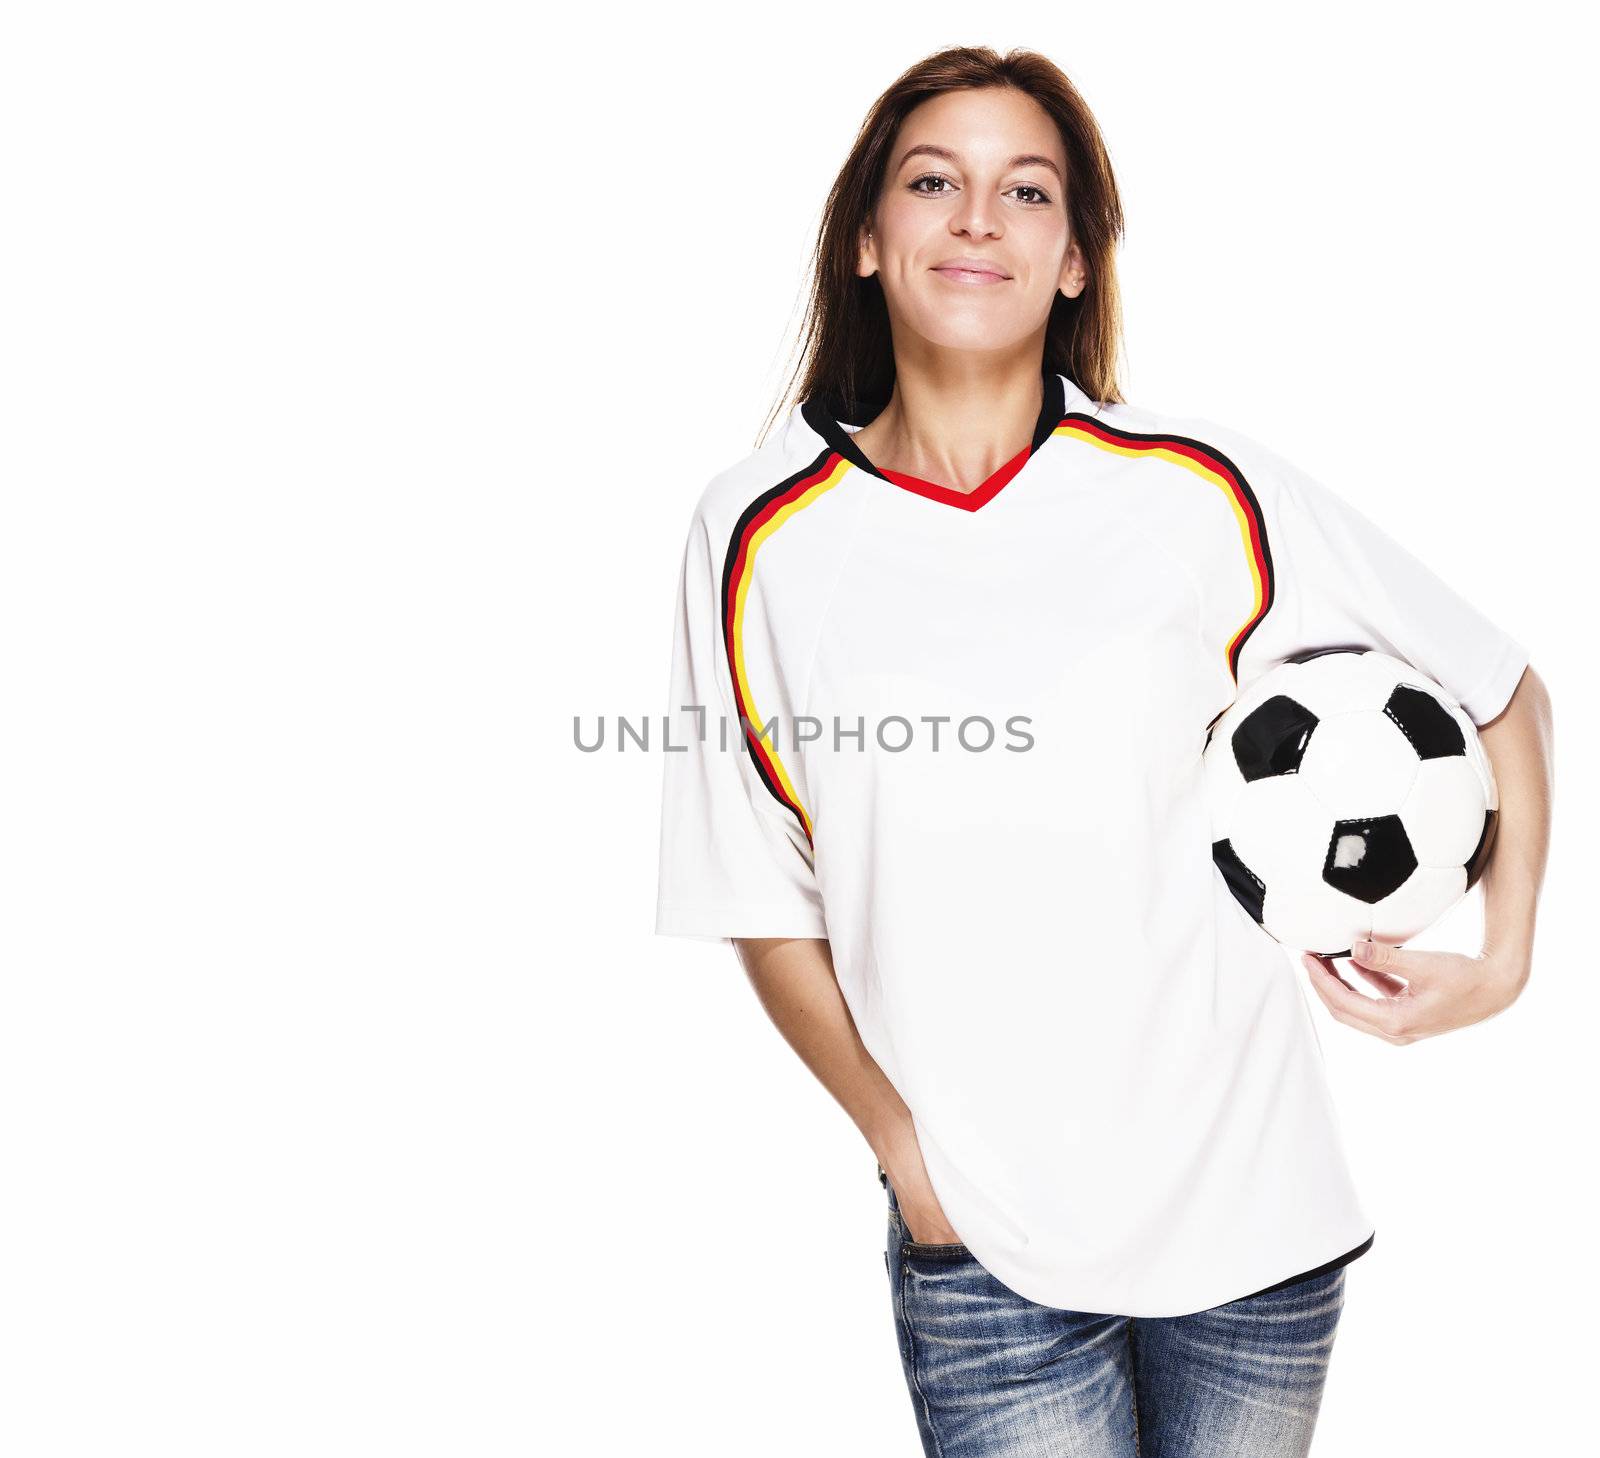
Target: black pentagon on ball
(1272,738)
(1369,857)
(1431,728)
(1247,890)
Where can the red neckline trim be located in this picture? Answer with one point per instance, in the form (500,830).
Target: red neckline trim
(969,500)
(826,417)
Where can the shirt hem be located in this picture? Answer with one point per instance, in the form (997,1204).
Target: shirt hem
(1353,1253)
(1489,699)
(722,923)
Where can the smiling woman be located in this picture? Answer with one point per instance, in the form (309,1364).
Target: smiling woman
(1098,1106)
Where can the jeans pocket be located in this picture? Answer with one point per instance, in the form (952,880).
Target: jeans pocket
(910,1249)
(917,1250)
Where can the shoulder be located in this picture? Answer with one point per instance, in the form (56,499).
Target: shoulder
(740,485)
(1242,455)
(1202,430)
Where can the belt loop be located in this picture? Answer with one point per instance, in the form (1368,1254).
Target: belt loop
(883,1179)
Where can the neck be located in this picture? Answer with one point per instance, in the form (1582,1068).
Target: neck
(955,425)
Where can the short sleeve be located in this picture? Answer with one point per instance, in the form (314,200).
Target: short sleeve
(730,866)
(1339,580)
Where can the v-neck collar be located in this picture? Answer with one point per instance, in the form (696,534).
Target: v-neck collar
(820,415)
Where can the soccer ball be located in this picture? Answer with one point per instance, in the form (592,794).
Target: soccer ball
(1349,797)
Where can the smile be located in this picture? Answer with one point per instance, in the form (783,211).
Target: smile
(971,275)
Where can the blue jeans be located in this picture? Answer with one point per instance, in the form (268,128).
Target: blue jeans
(993,1375)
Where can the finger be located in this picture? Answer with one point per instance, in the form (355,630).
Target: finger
(1390,967)
(1385,983)
(1340,997)
(1346,1004)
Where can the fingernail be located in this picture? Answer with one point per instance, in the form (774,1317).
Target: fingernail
(1363,950)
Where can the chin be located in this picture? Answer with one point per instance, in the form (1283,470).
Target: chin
(982,332)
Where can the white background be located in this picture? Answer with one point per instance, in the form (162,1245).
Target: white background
(362,365)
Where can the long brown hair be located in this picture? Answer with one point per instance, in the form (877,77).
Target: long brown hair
(846,346)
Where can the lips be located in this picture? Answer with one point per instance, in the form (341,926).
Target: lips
(971,270)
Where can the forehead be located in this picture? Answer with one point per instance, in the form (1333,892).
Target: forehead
(982,127)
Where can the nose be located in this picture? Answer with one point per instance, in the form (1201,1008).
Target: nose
(973,218)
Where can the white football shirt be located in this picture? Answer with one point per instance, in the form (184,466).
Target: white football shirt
(972,762)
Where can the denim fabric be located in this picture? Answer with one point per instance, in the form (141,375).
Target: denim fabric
(993,1375)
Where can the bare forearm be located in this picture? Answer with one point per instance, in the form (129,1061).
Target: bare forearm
(794,979)
(1520,745)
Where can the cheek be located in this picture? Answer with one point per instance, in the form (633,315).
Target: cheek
(902,225)
(1041,249)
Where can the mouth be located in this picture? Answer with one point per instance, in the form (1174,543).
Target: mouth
(958,274)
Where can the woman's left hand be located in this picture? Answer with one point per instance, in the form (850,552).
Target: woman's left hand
(1425,992)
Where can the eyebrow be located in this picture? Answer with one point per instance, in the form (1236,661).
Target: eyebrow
(1022,159)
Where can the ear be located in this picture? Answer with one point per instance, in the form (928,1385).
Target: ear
(1074,272)
(867,262)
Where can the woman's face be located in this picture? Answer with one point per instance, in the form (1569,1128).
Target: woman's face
(975,176)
